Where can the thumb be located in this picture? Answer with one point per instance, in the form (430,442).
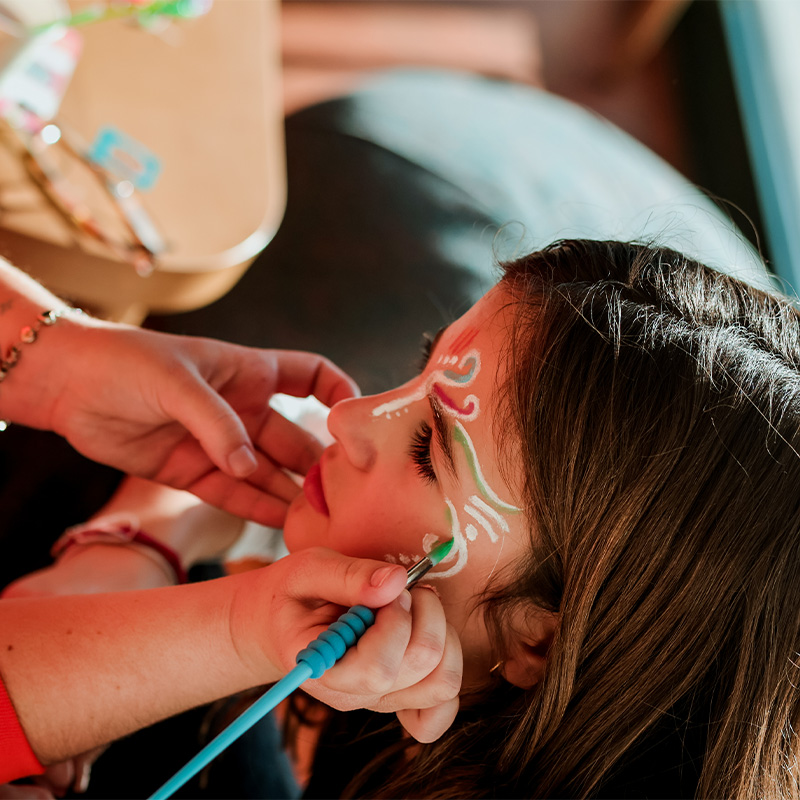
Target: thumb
(216,426)
(344,580)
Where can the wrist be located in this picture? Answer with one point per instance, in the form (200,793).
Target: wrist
(121,531)
(34,362)
(97,567)
(180,520)
(253,625)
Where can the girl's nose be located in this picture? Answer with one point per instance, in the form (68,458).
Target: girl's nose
(349,423)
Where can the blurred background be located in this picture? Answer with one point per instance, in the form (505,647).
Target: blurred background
(342,176)
(659,69)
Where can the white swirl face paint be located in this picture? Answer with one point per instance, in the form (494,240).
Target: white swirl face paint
(487,511)
(463,375)
(483,513)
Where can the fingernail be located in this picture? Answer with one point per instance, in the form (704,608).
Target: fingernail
(242,462)
(381,575)
(405,600)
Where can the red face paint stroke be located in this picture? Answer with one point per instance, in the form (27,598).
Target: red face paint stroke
(450,403)
(464,340)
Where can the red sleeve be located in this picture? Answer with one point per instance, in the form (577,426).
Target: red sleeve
(16,757)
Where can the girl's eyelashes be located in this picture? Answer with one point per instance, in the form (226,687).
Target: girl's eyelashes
(420,452)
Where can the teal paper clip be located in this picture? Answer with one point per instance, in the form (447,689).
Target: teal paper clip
(124,157)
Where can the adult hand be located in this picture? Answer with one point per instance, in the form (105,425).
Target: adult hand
(411,664)
(71,775)
(408,662)
(192,413)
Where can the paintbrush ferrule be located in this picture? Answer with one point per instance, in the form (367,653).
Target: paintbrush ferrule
(417,571)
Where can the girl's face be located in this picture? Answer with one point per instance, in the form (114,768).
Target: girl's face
(417,466)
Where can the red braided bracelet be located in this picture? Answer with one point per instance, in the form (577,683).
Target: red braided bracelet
(117,531)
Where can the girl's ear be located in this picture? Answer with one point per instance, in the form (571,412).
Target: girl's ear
(524,667)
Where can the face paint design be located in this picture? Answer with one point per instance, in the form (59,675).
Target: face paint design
(484,509)
(463,374)
(462,437)
(470,410)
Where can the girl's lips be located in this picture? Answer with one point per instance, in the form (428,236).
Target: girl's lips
(312,489)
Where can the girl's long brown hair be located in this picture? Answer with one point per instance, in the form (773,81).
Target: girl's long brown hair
(657,403)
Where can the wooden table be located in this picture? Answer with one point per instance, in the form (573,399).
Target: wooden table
(204,96)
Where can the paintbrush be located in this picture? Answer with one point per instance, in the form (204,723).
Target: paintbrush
(312,662)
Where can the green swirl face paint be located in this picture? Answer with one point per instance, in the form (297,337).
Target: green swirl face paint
(482,511)
(461,436)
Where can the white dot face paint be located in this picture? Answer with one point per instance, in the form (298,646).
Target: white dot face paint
(481,520)
(463,375)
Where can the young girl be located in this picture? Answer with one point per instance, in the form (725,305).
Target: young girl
(610,437)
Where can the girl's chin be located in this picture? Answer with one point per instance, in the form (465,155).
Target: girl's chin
(300,526)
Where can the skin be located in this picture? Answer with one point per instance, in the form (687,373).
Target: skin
(85,669)
(187,412)
(414,662)
(378,504)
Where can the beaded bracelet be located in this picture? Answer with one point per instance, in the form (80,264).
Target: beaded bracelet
(28,335)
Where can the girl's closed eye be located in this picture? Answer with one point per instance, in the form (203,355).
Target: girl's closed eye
(420,452)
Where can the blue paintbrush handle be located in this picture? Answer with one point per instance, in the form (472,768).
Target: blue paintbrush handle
(312,662)
(333,642)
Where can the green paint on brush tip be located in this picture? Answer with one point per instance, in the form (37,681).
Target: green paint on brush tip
(440,551)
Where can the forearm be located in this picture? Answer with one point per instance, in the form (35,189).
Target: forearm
(84,670)
(195,530)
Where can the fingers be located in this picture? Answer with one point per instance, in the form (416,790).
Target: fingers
(304,374)
(218,428)
(222,433)
(409,662)
(287,444)
(264,497)
(374,662)
(319,572)
(271,479)
(428,724)
(59,777)
(428,637)
(242,499)
(432,665)
(83,769)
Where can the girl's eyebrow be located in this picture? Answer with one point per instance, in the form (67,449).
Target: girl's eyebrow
(444,434)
